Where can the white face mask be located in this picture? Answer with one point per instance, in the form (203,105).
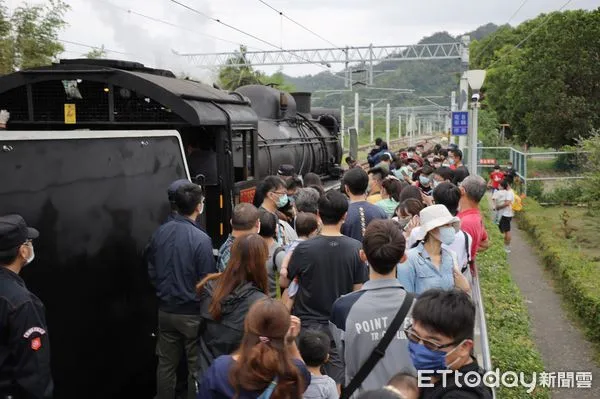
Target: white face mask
(449,366)
(32,257)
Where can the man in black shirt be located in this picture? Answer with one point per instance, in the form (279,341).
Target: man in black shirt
(440,344)
(24,344)
(327,267)
(360,211)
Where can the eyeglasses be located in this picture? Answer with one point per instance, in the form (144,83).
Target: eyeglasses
(279,192)
(414,337)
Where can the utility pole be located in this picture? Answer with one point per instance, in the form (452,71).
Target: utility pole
(372,123)
(449,119)
(387,123)
(463,102)
(342,128)
(356,112)
(400,126)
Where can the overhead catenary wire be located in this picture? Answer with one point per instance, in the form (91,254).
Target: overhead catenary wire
(541,24)
(507,22)
(173,25)
(298,24)
(93,47)
(253,36)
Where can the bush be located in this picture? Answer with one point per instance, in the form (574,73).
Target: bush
(591,165)
(535,189)
(509,331)
(566,193)
(576,275)
(567,163)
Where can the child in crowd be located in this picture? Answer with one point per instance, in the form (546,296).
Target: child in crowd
(307,226)
(498,198)
(314,348)
(405,384)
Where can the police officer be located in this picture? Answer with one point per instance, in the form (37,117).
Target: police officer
(24,344)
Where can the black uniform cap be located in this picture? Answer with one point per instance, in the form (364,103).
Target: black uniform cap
(14,232)
(286,170)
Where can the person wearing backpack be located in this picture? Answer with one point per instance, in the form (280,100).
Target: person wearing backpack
(448,194)
(268,231)
(267,363)
(369,321)
(225,299)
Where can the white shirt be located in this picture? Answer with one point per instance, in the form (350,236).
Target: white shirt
(502,196)
(458,246)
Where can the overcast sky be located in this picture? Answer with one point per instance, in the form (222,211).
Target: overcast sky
(342,22)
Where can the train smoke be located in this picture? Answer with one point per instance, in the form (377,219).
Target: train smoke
(154,43)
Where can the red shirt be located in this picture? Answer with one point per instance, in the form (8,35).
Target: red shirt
(472,222)
(496,177)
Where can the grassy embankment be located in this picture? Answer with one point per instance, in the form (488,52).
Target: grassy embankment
(567,240)
(509,331)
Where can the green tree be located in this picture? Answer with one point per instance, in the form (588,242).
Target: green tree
(96,53)
(231,76)
(278,81)
(6,45)
(488,131)
(547,88)
(30,35)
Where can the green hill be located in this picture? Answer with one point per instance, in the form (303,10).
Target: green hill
(427,78)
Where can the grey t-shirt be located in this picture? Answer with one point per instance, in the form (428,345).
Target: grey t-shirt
(321,387)
(270,267)
(359,321)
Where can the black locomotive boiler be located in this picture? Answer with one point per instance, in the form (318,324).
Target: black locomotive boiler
(288,134)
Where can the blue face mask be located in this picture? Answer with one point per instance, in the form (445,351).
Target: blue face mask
(426,359)
(424,180)
(451,161)
(447,235)
(282,201)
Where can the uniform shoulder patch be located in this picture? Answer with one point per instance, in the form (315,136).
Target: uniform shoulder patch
(32,330)
(36,343)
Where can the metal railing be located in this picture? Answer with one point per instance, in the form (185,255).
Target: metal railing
(521,161)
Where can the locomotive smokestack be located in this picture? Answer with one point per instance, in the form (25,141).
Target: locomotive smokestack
(302,102)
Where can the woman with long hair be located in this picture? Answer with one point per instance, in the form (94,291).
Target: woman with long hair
(267,362)
(225,299)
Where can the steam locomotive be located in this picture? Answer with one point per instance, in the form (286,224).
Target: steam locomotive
(88,153)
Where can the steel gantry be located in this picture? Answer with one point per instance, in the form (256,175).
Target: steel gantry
(365,55)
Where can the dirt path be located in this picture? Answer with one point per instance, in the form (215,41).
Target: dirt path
(562,345)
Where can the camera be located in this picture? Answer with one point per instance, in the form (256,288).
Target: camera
(475,97)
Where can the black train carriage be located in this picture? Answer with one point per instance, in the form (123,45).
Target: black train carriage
(89,150)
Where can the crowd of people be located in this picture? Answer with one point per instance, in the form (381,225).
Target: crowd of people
(314,294)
